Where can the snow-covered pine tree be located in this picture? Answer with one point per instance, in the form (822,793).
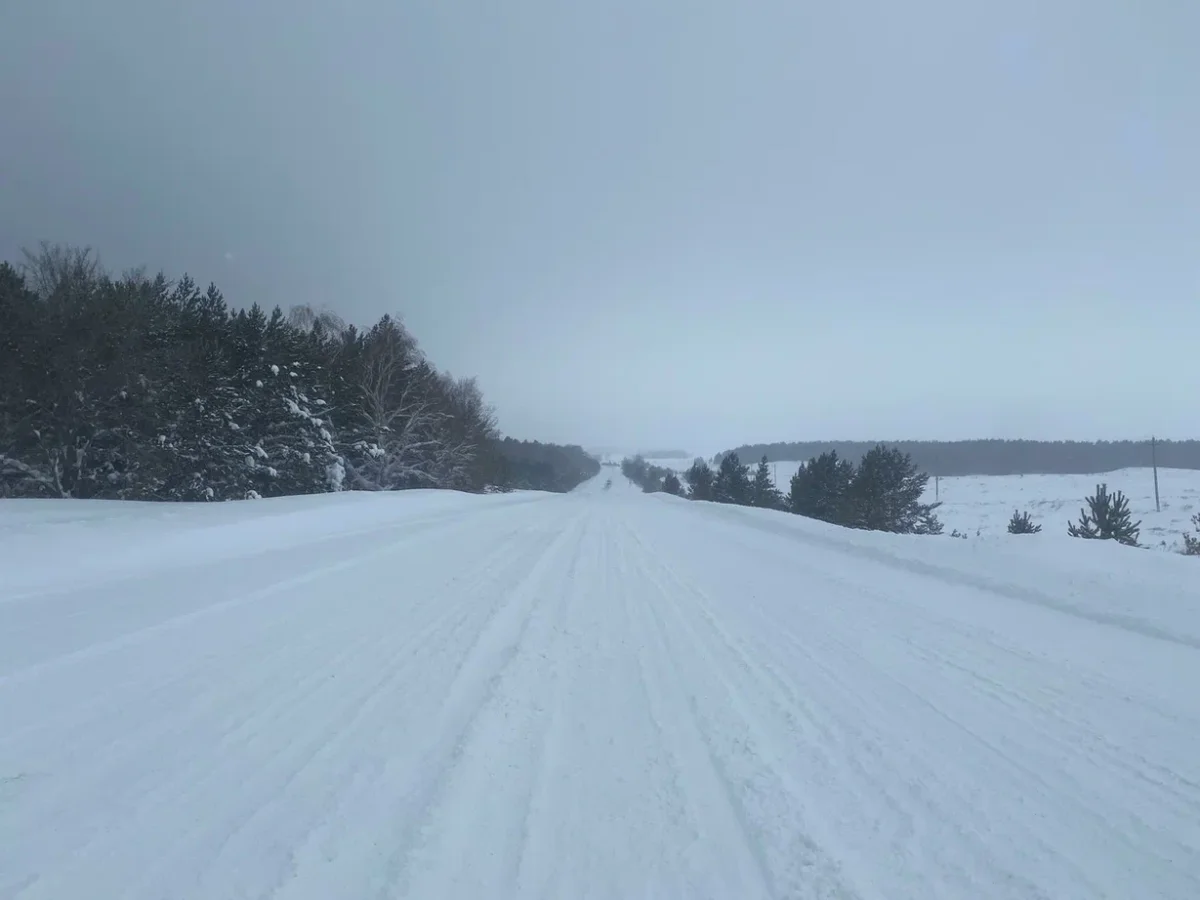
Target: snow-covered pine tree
(24,472)
(258,424)
(143,388)
(296,450)
(75,401)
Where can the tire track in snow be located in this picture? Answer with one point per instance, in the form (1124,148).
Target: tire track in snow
(361,675)
(414,656)
(486,798)
(863,774)
(700,776)
(767,799)
(533,863)
(601,769)
(1007,751)
(768,700)
(601,701)
(381,820)
(858,668)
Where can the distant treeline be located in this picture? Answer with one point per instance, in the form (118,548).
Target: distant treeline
(532,465)
(998,457)
(665,454)
(882,493)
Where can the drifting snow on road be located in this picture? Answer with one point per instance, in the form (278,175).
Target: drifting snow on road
(594,695)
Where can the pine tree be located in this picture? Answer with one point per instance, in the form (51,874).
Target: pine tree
(1191,543)
(886,492)
(763,492)
(927,520)
(143,388)
(1109,519)
(820,488)
(732,482)
(1022,523)
(23,472)
(672,485)
(649,477)
(199,396)
(76,399)
(700,479)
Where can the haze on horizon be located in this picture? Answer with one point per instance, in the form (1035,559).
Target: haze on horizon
(682,224)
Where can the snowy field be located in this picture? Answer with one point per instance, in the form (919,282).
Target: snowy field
(981,505)
(603,694)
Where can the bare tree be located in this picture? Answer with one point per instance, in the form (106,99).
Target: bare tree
(402,434)
(470,427)
(56,268)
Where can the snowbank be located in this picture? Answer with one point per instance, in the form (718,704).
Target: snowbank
(60,543)
(1157,594)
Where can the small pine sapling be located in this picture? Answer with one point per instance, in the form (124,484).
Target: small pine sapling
(1191,542)
(1109,519)
(1022,523)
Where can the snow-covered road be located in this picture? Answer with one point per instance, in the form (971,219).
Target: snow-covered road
(595,695)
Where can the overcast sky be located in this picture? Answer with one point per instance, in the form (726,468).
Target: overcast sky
(659,223)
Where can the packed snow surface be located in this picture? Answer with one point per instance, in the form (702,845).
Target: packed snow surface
(597,695)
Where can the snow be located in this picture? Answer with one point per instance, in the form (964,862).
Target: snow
(602,694)
(981,505)
(985,504)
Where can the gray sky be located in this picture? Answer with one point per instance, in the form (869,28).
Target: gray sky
(671,223)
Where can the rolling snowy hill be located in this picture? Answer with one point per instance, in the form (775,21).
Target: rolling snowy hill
(602,694)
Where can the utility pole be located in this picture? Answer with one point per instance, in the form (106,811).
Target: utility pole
(937,488)
(1154,463)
